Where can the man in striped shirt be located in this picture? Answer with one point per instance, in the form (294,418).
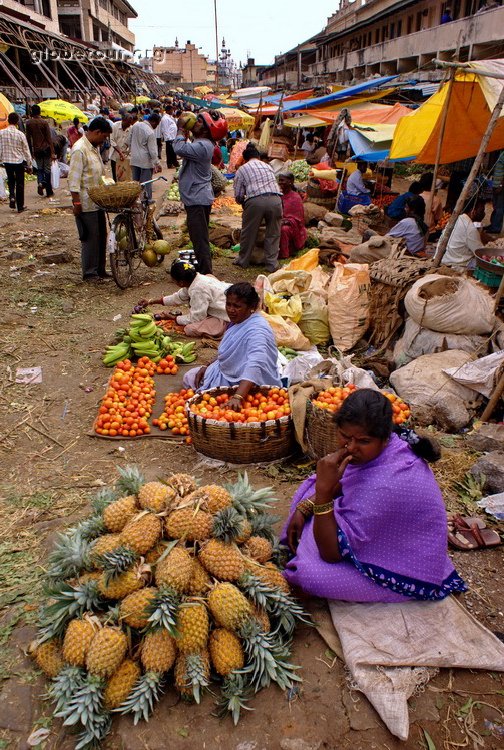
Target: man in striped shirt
(255,187)
(497,217)
(15,156)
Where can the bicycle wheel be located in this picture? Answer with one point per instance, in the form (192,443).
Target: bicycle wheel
(121,260)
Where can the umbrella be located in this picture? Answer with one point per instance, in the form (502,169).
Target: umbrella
(5,109)
(154,103)
(61,111)
(142,99)
(236,118)
(203,90)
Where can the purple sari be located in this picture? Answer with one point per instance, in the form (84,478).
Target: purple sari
(392,534)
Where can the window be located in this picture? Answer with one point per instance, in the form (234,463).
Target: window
(392,30)
(45,7)
(399,28)
(377,36)
(410,24)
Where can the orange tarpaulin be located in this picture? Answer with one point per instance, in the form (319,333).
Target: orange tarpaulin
(376,116)
(5,109)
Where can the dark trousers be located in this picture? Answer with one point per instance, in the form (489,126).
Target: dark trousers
(267,208)
(44,172)
(159,142)
(114,170)
(198,218)
(171,156)
(92,228)
(15,182)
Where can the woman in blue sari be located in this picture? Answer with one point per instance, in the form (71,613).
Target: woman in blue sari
(247,355)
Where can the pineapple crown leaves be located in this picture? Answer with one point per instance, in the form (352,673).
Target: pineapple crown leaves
(162,611)
(196,678)
(66,603)
(262,525)
(248,501)
(85,708)
(282,608)
(235,692)
(70,556)
(266,658)
(64,686)
(280,554)
(103,499)
(91,528)
(130,480)
(92,739)
(143,697)
(116,562)
(228,525)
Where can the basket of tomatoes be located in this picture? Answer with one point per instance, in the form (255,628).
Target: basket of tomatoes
(262,430)
(321,430)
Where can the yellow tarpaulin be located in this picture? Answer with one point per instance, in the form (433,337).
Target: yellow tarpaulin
(417,135)
(61,111)
(5,109)
(236,118)
(203,90)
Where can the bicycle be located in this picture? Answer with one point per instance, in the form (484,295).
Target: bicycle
(131,231)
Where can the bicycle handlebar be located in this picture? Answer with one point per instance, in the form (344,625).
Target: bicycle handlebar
(143,184)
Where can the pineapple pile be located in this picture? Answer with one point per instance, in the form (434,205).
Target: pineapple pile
(166,583)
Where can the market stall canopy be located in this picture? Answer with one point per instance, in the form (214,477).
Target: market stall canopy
(61,111)
(5,109)
(252,91)
(335,107)
(472,101)
(365,113)
(142,99)
(202,90)
(346,93)
(304,121)
(236,118)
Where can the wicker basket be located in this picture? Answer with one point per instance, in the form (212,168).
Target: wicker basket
(240,443)
(321,431)
(115,197)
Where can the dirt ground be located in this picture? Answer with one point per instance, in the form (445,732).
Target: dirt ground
(51,466)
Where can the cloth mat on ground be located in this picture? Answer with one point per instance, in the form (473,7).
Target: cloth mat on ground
(392,650)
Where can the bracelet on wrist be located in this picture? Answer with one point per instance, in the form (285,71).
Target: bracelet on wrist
(237,395)
(320,510)
(305,507)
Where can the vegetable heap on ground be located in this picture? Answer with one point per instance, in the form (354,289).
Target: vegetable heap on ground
(333,398)
(143,338)
(166,583)
(256,407)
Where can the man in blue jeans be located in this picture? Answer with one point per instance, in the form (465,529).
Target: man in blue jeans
(38,134)
(144,157)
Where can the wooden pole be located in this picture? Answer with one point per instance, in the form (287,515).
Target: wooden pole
(443,242)
(494,399)
(216,50)
(500,292)
(444,118)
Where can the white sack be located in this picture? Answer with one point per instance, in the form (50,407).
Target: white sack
(480,374)
(55,175)
(417,341)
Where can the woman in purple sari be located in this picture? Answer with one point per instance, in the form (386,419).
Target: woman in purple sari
(371,525)
(247,354)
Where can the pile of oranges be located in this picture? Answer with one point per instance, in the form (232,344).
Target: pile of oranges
(170,326)
(332,399)
(167,366)
(256,407)
(173,417)
(128,402)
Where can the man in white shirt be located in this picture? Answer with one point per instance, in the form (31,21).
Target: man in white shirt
(120,143)
(355,183)
(168,128)
(15,155)
(465,238)
(143,151)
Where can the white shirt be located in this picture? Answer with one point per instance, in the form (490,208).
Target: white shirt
(143,146)
(205,297)
(168,128)
(464,241)
(355,184)
(120,139)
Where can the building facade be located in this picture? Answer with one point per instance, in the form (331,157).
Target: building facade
(103,23)
(43,13)
(186,65)
(387,37)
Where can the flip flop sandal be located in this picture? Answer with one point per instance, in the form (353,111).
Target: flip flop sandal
(473,538)
(464,523)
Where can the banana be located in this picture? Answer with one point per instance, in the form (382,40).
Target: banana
(146,317)
(149,330)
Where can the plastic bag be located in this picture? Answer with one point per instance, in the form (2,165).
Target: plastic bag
(3,191)
(55,175)
(479,375)
(348,304)
(450,305)
(307,262)
(296,371)
(314,321)
(290,282)
(291,308)
(287,333)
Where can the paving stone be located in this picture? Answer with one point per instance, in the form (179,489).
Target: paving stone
(62,257)
(16,707)
(360,712)
(491,467)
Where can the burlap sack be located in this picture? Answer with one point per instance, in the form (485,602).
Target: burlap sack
(348,304)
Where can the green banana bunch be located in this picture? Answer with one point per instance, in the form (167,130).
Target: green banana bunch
(116,353)
(182,352)
(288,352)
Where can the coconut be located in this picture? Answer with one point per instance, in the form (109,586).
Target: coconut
(161,247)
(149,256)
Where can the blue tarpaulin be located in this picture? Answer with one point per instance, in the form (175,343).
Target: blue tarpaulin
(332,98)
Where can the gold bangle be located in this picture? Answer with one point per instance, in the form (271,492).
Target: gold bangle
(237,395)
(319,510)
(305,507)
(323,513)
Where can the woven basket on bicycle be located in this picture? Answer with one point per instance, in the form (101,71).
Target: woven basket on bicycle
(115,197)
(237,442)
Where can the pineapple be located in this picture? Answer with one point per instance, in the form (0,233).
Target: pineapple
(224,561)
(122,585)
(261,616)
(64,603)
(157,497)
(200,581)
(175,570)
(121,684)
(193,525)
(143,697)
(119,513)
(278,605)
(245,533)
(65,684)
(269,574)
(266,656)
(106,652)
(48,658)
(78,637)
(104,544)
(230,526)
(158,652)
(155,553)
(234,695)
(142,533)
(183,484)
(192,673)
(95,575)
(133,608)
(162,610)
(226,652)
(117,562)
(70,556)
(130,480)
(229,607)
(84,707)
(259,549)
(211,498)
(248,501)
(192,627)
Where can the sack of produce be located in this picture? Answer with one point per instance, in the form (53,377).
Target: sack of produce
(287,333)
(314,322)
(348,304)
(288,307)
(306,262)
(451,305)
(219,182)
(290,282)
(433,396)
(376,248)
(417,341)
(313,213)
